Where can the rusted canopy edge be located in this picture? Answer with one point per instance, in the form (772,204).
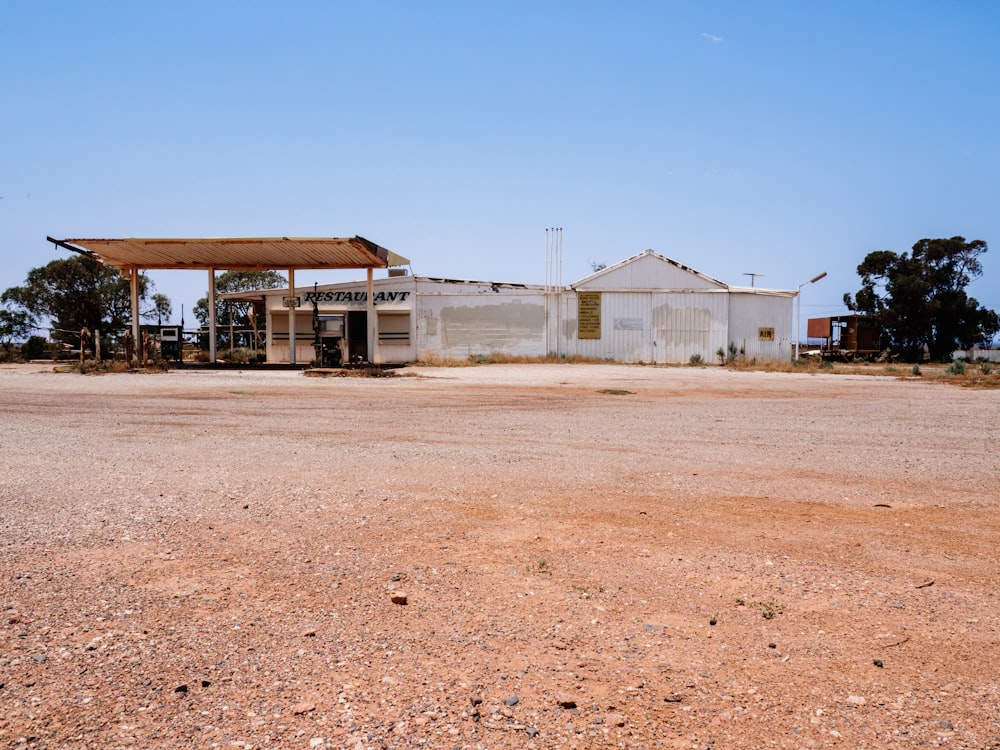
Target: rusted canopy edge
(232,253)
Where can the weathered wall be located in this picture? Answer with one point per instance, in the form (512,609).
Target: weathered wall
(689,324)
(749,312)
(658,327)
(465,325)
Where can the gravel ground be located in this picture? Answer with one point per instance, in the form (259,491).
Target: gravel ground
(505,556)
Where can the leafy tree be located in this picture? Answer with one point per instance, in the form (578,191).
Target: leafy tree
(244,314)
(75,293)
(919,298)
(162,308)
(15,325)
(34,347)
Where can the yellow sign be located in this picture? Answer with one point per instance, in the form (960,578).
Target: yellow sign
(588,315)
(765,334)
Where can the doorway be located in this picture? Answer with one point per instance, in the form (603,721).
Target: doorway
(357,336)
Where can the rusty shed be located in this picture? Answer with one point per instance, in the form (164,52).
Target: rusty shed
(846,336)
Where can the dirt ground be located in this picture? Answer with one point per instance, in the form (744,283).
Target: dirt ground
(505,556)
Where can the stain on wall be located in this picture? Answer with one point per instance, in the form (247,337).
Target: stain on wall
(682,326)
(486,328)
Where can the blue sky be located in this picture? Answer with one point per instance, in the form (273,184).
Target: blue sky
(778,138)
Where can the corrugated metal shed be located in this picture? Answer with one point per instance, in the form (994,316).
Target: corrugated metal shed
(648,271)
(233,253)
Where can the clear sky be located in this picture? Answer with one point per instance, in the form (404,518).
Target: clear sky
(781,138)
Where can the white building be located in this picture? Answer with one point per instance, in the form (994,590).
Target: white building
(647,308)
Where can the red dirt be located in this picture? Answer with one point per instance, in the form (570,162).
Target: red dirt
(210,560)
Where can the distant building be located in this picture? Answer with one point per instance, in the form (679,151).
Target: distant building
(647,308)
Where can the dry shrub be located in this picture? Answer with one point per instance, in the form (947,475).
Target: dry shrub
(499,358)
(370,371)
(970,377)
(114,366)
(805,364)
(432,359)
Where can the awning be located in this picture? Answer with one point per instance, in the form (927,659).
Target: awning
(133,255)
(236,254)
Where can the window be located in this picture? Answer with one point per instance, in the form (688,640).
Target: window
(394,328)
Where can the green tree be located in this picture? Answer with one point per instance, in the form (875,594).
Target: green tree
(75,293)
(919,298)
(15,325)
(162,308)
(244,315)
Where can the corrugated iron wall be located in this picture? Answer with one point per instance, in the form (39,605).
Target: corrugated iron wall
(689,324)
(658,327)
(671,327)
(749,313)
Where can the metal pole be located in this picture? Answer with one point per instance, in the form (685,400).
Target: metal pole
(798,319)
(558,279)
(548,296)
(798,310)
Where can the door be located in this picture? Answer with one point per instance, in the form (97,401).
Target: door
(357,335)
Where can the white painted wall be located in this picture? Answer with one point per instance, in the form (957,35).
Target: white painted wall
(461,325)
(749,312)
(652,310)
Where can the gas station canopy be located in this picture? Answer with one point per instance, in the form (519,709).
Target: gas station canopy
(232,253)
(133,255)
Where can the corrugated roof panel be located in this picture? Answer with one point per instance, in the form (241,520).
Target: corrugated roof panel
(231,253)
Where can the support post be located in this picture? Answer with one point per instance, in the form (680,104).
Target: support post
(134,293)
(211,316)
(291,316)
(371,319)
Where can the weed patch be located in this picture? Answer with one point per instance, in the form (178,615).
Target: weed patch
(767,609)
(499,358)
(540,567)
(351,372)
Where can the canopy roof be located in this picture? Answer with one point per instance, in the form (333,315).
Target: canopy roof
(230,253)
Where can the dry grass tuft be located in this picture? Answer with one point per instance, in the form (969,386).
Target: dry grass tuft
(499,358)
(103,367)
(350,372)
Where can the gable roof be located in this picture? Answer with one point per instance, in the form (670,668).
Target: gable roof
(648,270)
